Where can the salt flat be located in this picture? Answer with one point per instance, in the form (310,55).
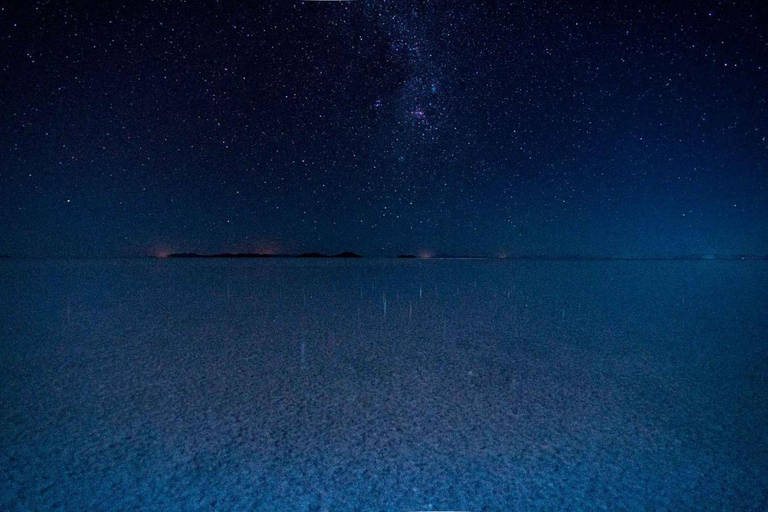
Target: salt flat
(383,385)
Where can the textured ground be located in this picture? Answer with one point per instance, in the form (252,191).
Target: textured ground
(383,385)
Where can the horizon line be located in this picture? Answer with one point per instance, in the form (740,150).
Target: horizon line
(404,256)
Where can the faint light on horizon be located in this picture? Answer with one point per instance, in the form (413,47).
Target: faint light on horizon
(160,252)
(267,247)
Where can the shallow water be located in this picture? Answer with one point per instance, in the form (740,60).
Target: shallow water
(383,385)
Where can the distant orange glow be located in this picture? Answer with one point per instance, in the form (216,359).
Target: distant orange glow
(160,252)
(269,249)
(426,254)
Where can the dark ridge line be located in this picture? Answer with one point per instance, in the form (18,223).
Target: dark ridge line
(348,254)
(191,255)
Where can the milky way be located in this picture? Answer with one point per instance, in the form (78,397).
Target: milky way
(383,127)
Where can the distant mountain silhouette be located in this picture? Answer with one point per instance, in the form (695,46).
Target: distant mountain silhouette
(534,257)
(224,255)
(347,254)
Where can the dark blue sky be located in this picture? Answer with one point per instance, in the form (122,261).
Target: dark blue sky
(383,127)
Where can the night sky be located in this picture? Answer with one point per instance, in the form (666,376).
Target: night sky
(382,127)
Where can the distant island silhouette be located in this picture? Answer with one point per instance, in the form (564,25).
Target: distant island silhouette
(353,255)
(539,257)
(346,254)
